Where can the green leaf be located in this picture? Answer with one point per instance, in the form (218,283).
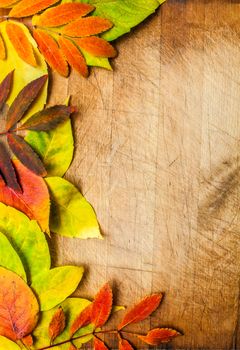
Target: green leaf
(6,344)
(71,307)
(9,258)
(125,14)
(55,148)
(71,215)
(27,239)
(54,286)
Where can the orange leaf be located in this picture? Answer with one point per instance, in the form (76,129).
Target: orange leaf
(159,335)
(27,8)
(6,3)
(28,340)
(34,201)
(87,26)
(125,345)
(96,46)
(2,49)
(73,56)
(99,344)
(102,306)
(62,14)
(18,306)
(57,324)
(83,319)
(21,43)
(50,50)
(72,347)
(142,310)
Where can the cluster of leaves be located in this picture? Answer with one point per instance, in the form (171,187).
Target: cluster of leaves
(67,35)
(21,182)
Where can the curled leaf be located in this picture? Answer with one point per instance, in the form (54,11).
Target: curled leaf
(27,8)
(87,26)
(7,170)
(159,335)
(51,52)
(102,306)
(5,88)
(26,155)
(57,324)
(142,310)
(125,345)
(63,14)
(3,53)
(99,344)
(24,100)
(21,43)
(18,306)
(73,56)
(48,118)
(96,46)
(83,319)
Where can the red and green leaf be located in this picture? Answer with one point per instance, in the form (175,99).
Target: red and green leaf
(159,335)
(102,306)
(57,324)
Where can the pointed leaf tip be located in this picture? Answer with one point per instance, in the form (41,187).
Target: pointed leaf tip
(125,345)
(5,88)
(83,319)
(102,306)
(7,170)
(159,335)
(99,344)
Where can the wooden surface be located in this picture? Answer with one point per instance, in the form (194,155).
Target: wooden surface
(158,157)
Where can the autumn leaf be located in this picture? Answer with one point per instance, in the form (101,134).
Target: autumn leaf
(34,199)
(7,344)
(18,306)
(51,52)
(87,26)
(57,324)
(99,344)
(26,8)
(7,170)
(73,56)
(2,49)
(124,344)
(142,310)
(26,155)
(63,14)
(21,43)
(24,100)
(159,335)
(96,46)
(27,341)
(83,319)
(5,88)
(7,3)
(102,306)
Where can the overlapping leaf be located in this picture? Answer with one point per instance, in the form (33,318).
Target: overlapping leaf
(57,324)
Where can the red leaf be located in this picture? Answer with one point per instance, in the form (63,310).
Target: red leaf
(18,306)
(125,345)
(51,52)
(5,88)
(159,335)
(3,53)
(8,171)
(83,319)
(62,14)
(142,310)
(21,43)
(34,200)
(99,344)
(96,46)
(102,306)
(73,56)
(28,340)
(57,324)
(24,100)
(26,154)
(87,26)
(27,8)
(48,118)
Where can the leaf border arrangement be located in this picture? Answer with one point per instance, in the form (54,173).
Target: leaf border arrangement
(36,149)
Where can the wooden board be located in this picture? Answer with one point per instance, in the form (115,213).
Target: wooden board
(157,154)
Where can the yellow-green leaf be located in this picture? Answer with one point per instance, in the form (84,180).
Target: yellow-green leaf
(71,214)
(55,148)
(9,257)
(27,239)
(54,286)
(6,344)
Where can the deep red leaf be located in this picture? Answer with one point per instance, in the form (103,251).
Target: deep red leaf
(83,319)
(99,344)
(125,345)
(159,335)
(24,100)
(102,306)
(5,88)
(142,310)
(7,170)
(57,324)
(26,155)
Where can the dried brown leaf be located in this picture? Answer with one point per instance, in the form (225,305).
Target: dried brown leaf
(7,170)
(5,88)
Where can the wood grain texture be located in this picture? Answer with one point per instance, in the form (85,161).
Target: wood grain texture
(157,154)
